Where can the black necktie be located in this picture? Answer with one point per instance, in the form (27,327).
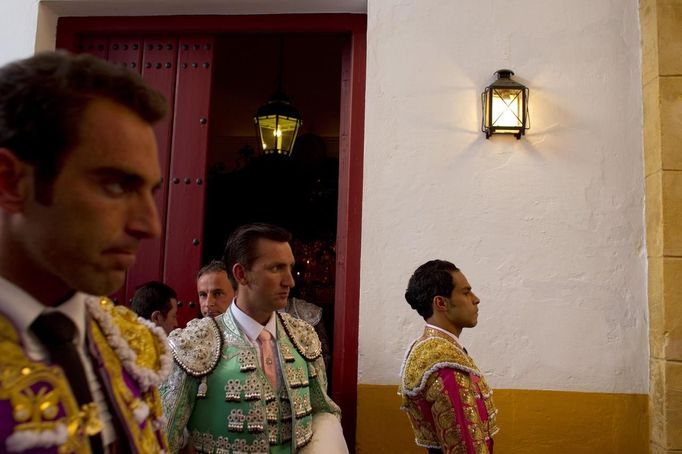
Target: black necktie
(57,333)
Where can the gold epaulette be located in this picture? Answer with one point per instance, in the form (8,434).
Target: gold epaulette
(197,347)
(428,356)
(142,338)
(302,335)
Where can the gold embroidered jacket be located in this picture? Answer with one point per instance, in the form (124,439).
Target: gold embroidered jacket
(446,397)
(38,411)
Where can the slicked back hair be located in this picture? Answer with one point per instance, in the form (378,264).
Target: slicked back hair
(241,245)
(43,99)
(433,278)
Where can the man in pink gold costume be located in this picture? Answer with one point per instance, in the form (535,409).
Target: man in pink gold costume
(444,394)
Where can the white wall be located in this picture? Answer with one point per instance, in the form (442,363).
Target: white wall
(548,229)
(18,19)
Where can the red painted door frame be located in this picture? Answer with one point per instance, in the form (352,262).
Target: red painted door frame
(351,143)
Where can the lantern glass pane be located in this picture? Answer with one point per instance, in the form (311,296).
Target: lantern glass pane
(277,133)
(507,109)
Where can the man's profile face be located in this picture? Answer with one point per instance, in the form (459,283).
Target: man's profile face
(270,278)
(102,203)
(215,293)
(463,303)
(170,321)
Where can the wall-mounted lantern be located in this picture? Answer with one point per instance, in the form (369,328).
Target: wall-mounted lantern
(505,106)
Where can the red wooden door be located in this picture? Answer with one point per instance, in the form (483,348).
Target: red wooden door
(158,68)
(185,220)
(180,68)
(181,258)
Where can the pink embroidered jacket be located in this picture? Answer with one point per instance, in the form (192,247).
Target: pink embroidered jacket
(446,397)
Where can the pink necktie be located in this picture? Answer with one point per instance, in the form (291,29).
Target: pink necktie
(268,357)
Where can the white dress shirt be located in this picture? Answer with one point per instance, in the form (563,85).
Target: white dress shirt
(22,309)
(252,329)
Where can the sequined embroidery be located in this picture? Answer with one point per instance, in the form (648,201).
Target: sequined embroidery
(207,443)
(287,355)
(233,391)
(297,377)
(271,411)
(235,421)
(302,405)
(255,419)
(197,347)
(304,433)
(312,371)
(247,361)
(253,387)
(302,335)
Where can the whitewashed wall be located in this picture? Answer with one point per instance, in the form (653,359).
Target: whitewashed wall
(548,229)
(18,21)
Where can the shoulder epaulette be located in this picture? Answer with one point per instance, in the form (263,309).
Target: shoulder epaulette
(139,344)
(302,335)
(197,347)
(429,355)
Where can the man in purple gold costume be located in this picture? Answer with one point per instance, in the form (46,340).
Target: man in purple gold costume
(444,394)
(78,171)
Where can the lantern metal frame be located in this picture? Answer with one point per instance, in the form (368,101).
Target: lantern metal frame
(505,84)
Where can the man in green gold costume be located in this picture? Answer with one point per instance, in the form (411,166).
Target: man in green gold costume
(252,379)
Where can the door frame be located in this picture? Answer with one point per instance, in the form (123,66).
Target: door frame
(351,150)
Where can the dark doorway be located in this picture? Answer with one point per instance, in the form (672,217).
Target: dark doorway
(299,192)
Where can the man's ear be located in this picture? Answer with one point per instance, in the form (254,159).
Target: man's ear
(14,181)
(439,303)
(239,273)
(157,317)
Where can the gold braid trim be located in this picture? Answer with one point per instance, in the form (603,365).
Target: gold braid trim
(35,411)
(131,407)
(430,353)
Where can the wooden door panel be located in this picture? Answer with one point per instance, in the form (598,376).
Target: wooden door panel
(185,218)
(158,66)
(94,45)
(126,52)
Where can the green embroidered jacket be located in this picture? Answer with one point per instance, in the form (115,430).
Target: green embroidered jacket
(218,391)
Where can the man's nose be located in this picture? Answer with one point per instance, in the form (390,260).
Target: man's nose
(288,280)
(144,222)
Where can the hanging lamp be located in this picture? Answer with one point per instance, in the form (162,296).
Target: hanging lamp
(278,121)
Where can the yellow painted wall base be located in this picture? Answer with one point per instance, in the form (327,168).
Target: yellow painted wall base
(531,422)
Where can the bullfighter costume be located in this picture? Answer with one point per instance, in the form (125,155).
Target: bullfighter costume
(218,391)
(446,397)
(128,358)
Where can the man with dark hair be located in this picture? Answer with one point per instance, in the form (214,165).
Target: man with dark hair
(253,378)
(157,302)
(78,171)
(214,288)
(446,397)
